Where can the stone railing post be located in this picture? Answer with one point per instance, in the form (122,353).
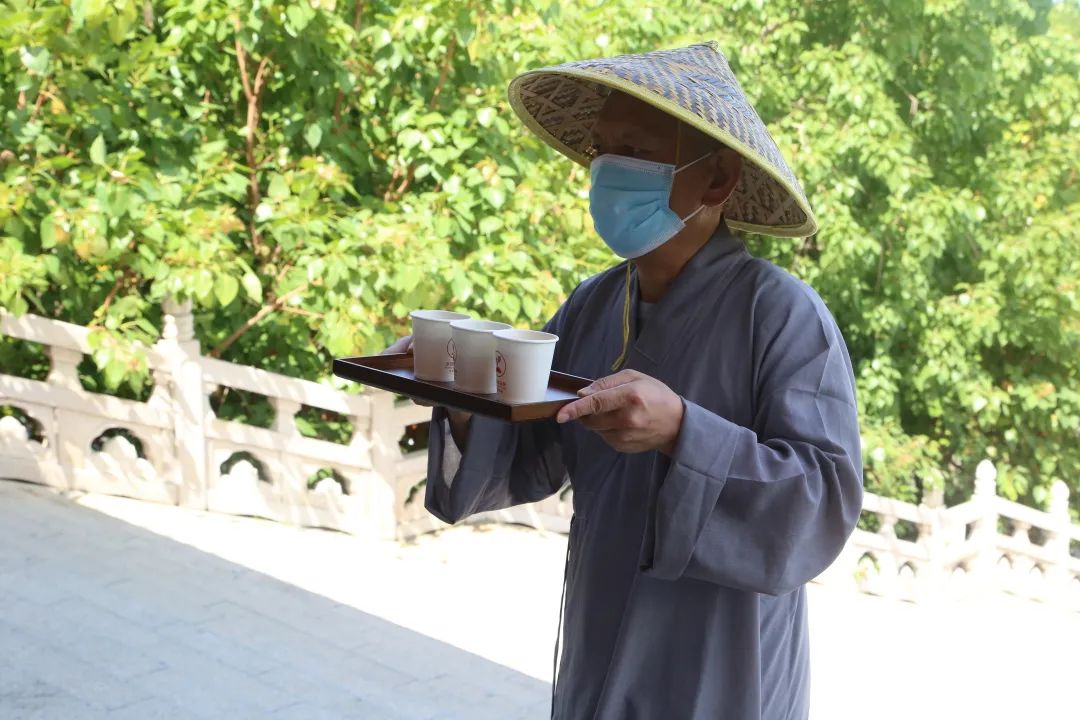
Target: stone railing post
(162,395)
(65,367)
(984,533)
(934,538)
(179,346)
(1022,564)
(285,416)
(1058,577)
(64,373)
(385,453)
(888,567)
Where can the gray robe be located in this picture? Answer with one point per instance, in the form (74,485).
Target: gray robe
(685,594)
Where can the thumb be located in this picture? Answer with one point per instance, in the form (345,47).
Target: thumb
(402,345)
(606,383)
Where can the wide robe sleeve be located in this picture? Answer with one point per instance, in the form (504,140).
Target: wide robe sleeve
(504,464)
(766,508)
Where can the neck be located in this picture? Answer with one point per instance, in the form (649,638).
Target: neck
(658,270)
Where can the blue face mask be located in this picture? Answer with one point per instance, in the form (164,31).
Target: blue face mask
(629,203)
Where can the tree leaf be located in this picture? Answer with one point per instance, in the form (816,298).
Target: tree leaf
(114,371)
(315,269)
(252,286)
(490,224)
(97,151)
(495,196)
(48,231)
(300,15)
(511,305)
(532,307)
(225,289)
(410,138)
(278,188)
(204,284)
(408,278)
(460,286)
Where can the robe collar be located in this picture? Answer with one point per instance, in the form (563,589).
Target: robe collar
(691,297)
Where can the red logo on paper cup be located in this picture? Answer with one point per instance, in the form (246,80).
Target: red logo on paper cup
(500,364)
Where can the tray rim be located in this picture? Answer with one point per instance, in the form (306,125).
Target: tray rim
(488,405)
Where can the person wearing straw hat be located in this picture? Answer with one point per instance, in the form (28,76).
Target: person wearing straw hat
(716,464)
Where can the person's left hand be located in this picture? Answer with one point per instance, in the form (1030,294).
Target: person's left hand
(630,410)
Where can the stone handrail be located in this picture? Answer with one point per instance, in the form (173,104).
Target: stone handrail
(960,549)
(174,449)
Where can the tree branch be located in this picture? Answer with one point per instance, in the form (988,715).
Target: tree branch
(253,95)
(281,273)
(125,274)
(358,13)
(302,311)
(112,294)
(770,29)
(409,175)
(390,186)
(40,100)
(259,76)
(392,193)
(241,59)
(254,320)
(443,72)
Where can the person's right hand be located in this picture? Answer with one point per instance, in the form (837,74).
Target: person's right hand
(459,421)
(404,345)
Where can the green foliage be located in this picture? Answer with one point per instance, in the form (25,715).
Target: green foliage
(306,172)
(324,473)
(324,425)
(23,359)
(242,406)
(34,430)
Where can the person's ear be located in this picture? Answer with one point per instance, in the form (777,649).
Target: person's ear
(726,167)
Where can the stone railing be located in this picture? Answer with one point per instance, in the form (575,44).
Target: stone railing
(174,449)
(985,544)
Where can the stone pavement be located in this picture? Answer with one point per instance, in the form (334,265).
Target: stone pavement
(103,619)
(113,608)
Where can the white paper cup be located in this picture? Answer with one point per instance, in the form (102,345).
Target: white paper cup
(523,364)
(433,350)
(474,354)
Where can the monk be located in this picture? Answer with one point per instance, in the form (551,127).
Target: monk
(715,462)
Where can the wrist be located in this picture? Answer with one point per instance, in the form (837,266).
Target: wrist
(675,428)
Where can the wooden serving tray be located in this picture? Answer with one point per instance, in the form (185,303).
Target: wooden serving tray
(395,373)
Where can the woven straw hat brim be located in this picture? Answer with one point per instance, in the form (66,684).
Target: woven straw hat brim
(693,84)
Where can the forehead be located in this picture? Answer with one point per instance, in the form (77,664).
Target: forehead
(626,115)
